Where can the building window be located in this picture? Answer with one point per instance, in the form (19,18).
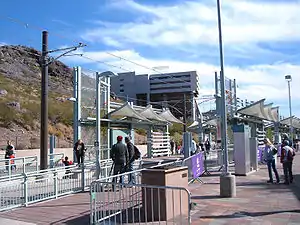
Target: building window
(121,85)
(121,79)
(121,90)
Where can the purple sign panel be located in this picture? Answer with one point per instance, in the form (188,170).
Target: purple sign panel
(260,153)
(197,165)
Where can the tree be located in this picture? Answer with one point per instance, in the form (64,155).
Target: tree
(269,133)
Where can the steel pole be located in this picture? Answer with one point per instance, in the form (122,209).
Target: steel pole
(291,117)
(98,124)
(44,104)
(223,98)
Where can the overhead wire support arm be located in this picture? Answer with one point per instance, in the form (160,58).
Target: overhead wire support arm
(68,50)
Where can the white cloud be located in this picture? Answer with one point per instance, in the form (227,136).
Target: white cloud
(190,24)
(255,82)
(244,22)
(2,43)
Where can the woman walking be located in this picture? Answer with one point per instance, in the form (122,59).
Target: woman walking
(270,153)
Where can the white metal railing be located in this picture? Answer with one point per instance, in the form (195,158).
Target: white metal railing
(38,186)
(18,165)
(115,197)
(139,203)
(55,159)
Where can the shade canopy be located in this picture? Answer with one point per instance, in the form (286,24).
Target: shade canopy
(295,122)
(260,110)
(149,113)
(127,111)
(146,114)
(167,115)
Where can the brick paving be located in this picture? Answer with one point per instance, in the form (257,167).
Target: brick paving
(257,203)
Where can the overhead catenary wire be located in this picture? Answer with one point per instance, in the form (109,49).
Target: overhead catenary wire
(109,53)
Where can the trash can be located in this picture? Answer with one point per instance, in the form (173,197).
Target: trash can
(164,203)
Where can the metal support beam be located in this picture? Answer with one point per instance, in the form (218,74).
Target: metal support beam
(98,125)
(44,104)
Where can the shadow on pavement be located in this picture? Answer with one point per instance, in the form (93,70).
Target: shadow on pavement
(206,197)
(76,221)
(248,214)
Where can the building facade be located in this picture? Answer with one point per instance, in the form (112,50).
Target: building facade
(176,91)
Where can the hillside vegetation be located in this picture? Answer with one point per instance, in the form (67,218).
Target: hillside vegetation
(20,77)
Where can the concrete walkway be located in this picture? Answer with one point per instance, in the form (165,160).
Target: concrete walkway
(257,203)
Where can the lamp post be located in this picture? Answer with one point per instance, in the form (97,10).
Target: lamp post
(106,75)
(227,180)
(288,78)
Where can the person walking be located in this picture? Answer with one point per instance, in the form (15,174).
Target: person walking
(79,149)
(119,156)
(207,146)
(286,158)
(269,156)
(131,158)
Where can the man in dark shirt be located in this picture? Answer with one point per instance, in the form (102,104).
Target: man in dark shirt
(119,155)
(131,158)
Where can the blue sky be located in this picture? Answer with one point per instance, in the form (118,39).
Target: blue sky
(261,38)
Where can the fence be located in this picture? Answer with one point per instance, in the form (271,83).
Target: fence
(9,167)
(38,186)
(123,199)
(160,144)
(214,159)
(139,203)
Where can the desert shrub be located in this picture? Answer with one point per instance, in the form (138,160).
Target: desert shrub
(7,115)
(142,132)
(176,128)
(177,138)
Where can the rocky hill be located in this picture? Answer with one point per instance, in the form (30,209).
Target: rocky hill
(20,78)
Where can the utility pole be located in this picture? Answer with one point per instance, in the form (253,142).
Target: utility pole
(184,113)
(45,62)
(44,104)
(227,181)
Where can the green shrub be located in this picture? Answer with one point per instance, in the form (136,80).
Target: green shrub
(141,131)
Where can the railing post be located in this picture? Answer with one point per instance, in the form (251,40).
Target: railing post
(23,162)
(55,184)
(25,189)
(9,167)
(82,177)
(36,163)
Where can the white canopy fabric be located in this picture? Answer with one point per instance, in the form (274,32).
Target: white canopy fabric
(268,112)
(149,113)
(167,115)
(256,109)
(275,113)
(127,111)
(212,122)
(195,124)
(295,122)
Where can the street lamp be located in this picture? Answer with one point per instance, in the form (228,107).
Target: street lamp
(227,180)
(288,78)
(99,76)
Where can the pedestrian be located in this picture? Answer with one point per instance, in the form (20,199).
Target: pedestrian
(119,156)
(286,158)
(133,154)
(207,146)
(10,154)
(67,164)
(269,156)
(285,137)
(79,149)
(172,146)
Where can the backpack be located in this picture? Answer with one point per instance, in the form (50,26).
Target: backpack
(291,155)
(137,153)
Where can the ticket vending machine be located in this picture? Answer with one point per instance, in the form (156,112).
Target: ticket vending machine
(241,135)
